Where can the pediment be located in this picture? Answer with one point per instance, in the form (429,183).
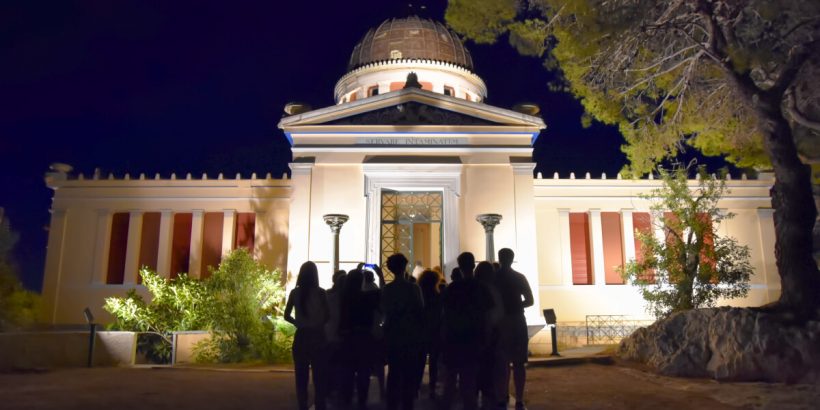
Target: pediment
(412,107)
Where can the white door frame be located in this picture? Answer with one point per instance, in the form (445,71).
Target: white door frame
(445,178)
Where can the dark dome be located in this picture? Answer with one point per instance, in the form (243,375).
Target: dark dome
(410,38)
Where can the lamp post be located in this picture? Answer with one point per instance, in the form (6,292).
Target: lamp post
(489,221)
(552,322)
(335,222)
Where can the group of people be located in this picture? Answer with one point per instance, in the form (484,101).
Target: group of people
(473,328)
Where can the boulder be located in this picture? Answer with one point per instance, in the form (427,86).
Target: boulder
(736,344)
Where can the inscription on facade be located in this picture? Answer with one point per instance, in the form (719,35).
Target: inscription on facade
(411,141)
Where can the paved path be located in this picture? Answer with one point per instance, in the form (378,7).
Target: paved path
(585,386)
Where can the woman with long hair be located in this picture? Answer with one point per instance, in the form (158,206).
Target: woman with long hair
(310,303)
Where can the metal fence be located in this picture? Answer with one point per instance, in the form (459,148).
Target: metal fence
(610,329)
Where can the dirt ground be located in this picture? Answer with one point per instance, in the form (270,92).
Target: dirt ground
(587,386)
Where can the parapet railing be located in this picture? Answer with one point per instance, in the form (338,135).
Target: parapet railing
(611,329)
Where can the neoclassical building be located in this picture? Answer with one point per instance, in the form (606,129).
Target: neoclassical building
(412,155)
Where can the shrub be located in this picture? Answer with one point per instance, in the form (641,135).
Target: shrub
(176,305)
(245,310)
(18,307)
(241,304)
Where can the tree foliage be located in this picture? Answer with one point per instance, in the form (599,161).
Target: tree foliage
(241,304)
(18,306)
(246,307)
(736,78)
(691,266)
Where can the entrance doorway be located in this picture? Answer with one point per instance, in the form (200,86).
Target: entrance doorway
(411,223)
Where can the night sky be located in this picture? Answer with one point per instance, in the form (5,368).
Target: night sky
(159,86)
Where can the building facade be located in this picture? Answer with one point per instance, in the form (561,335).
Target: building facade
(412,155)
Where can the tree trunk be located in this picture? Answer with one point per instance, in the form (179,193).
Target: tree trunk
(794,213)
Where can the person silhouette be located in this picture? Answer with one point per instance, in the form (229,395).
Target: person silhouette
(464,309)
(516,295)
(334,340)
(430,282)
(402,305)
(308,350)
(487,386)
(360,310)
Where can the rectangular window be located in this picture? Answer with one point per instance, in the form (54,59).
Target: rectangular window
(395,86)
(642,224)
(613,247)
(149,242)
(245,228)
(707,253)
(211,242)
(579,248)
(449,91)
(181,244)
(373,91)
(117,247)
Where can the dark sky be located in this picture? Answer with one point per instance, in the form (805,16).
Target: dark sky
(193,86)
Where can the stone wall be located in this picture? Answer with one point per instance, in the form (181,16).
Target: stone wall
(30,350)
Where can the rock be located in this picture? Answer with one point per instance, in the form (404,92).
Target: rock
(728,344)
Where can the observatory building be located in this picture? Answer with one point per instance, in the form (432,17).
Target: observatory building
(409,158)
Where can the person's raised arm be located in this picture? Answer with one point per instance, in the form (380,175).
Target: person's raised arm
(289,309)
(380,274)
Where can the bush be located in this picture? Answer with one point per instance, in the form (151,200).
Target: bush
(18,307)
(245,310)
(176,305)
(241,304)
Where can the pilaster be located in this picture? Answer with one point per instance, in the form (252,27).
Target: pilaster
(566,251)
(597,236)
(195,258)
(628,231)
(228,231)
(166,226)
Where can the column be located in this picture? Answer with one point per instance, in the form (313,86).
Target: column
(102,244)
(166,229)
(526,240)
(228,231)
(195,258)
(489,222)
(566,250)
(132,250)
(628,231)
(597,236)
(335,222)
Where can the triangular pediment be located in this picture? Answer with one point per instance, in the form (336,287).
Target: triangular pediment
(412,107)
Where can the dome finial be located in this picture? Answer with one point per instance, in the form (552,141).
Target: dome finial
(412,81)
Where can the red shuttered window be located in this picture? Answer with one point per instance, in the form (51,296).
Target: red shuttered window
(117,248)
(181,244)
(613,247)
(245,228)
(642,224)
(149,242)
(211,242)
(580,248)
